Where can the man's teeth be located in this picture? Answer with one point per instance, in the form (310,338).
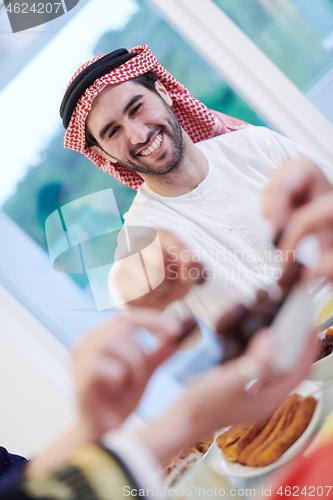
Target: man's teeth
(154,147)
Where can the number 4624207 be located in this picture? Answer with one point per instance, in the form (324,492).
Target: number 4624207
(35,8)
(307,491)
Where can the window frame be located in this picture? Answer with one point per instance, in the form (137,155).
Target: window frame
(203,24)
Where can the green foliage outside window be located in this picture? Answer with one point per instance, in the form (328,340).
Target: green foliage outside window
(289,32)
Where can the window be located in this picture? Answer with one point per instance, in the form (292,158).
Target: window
(40,175)
(297,35)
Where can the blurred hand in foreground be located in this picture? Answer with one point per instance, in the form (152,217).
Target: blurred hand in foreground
(299,199)
(111,369)
(294,184)
(315,218)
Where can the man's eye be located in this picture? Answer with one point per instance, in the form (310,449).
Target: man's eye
(134,110)
(113,131)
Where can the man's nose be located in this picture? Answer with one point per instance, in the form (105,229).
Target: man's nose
(137,132)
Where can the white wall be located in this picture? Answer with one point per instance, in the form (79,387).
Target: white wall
(35,389)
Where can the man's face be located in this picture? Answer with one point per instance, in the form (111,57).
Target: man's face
(137,127)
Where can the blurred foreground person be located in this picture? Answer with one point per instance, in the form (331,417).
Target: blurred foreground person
(111,371)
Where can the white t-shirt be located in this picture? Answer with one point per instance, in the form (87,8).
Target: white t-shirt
(221,220)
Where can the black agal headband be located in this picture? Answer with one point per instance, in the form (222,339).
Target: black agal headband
(87,77)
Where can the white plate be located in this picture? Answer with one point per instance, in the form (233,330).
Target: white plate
(179,471)
(225,468)
(322,369)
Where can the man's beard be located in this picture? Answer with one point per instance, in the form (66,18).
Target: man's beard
(174,132)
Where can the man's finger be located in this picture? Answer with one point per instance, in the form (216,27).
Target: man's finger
(308,219)
(286,185)
(297,182)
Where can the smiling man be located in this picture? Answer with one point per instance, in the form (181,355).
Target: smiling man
(141,131)
(136,127)
(201,185)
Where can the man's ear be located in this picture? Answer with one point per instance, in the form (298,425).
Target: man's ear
(100,152)
(163,92)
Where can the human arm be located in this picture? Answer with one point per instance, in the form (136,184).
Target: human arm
(111,371)
(90,472)
(212,401)
(295,183)
(168,264)
(313,218)
(299,199)
(218,399)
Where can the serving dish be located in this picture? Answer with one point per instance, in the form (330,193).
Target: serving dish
(225,468)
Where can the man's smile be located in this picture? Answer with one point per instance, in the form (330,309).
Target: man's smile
(153,146)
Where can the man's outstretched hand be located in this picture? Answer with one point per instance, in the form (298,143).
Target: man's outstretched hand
(294,184)
(180,273)
(299,199)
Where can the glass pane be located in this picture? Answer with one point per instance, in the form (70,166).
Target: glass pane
(179,58)
(41,177)
(297,35)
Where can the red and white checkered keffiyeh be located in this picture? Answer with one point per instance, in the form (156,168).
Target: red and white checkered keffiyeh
(198,121)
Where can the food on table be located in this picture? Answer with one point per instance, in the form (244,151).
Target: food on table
(274,424)
(326,312)
(231,435)
(238,325)
(272,451)
(262,443)
(232,451)
(200,447)
(325,345)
